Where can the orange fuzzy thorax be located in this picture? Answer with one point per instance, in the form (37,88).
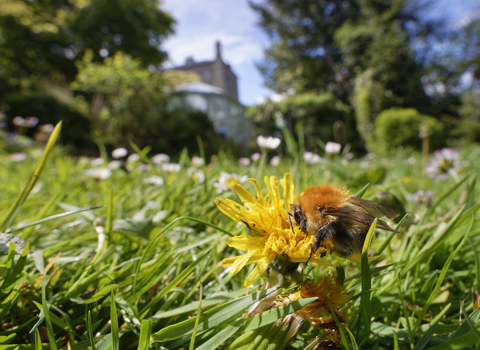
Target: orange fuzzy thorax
(315,198)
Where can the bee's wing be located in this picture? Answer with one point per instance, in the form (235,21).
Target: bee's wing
(364,218)
(374,208)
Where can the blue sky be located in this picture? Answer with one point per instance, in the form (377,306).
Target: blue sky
(200,23)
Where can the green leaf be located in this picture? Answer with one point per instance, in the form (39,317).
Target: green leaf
(360,193)
(46,312)
(140,228)
(114,323)
(53,217)
(432,296)
(426,337)
(341,329)
(272,315)
(197,319)
(211,318)
(145,334)
(102,293)
(366,283)
(459,343)
(174,283)
(221,336)
(290,142)
(33,179)
(90,330)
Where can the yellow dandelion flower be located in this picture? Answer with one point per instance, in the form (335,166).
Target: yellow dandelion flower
(329,297)
(272,235)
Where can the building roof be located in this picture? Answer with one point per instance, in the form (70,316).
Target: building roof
(199,87)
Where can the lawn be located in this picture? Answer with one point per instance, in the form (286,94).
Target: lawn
(129,257)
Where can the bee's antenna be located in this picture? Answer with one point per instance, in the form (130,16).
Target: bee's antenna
(291,226)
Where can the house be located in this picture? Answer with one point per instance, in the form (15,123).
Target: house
(217,96)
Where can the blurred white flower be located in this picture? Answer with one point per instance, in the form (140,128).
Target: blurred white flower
(244,161)
(411,160)
(133,158)
(144,167)
(119,152)
(96,162)
(255,156)
(421,197)
(311,158)
(268,142)
(333,148)
(349,156)
(226,181)
(370,155)
(198,176)
(275,161)
(17,157)
(197,161)
(31,122)
(114,164)
(153,180)
(160,159)
(364,164)
(46,128)
(18,121)
(83,160)
(99,173)
(171,167)
(443,163)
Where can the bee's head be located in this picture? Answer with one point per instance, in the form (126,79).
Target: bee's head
(298,217)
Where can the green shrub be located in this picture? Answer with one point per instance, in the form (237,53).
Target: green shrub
(397,127)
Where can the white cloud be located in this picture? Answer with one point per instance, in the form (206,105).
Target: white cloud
(201,23)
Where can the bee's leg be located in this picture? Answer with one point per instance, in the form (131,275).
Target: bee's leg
(322,234)
(290,219)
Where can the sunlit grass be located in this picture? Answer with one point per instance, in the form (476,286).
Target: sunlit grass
(119,258)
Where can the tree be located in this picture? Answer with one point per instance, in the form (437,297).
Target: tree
(366,52)
(42,42)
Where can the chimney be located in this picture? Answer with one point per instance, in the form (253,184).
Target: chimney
(219,53)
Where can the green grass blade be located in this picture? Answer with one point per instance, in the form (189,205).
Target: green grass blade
(46,312)
(152,242)
(197,319)
(292,147)
(114,323)
(38,340)
(33,179)
(90,330)
(108,222)
(341,329)
(385,243)
(460,343)
(431,246)
(145,334)
(360,193)
(477,263)
(272,315)
(175,282)
(432,296)
(211,318)
(366,284)
(53,217)
(426,337)
(472,327)
(220,337)
(464,328)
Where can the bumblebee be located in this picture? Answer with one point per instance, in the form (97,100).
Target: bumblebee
(332,214)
